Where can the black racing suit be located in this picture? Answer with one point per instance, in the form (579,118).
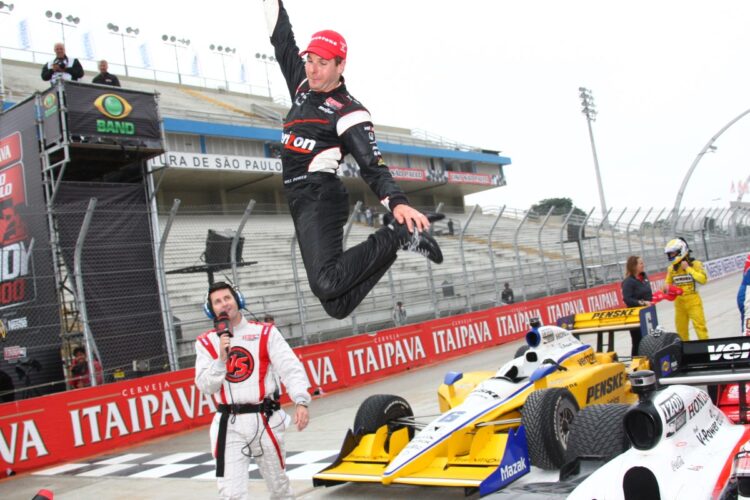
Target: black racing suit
(320,129)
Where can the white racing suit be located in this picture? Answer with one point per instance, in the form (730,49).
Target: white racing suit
(257,352)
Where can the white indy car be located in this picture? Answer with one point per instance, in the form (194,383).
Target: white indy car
(677,442)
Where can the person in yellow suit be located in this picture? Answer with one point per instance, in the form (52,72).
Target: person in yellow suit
(684,272)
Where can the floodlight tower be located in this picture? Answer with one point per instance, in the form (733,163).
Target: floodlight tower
(589,109)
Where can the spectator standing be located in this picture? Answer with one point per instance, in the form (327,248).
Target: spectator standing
(237,363)
(79,370)
(507,295)
(399,314)
(105,77)
(61,67)
(636,292)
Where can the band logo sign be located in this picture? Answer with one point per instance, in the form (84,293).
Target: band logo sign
(16,244)
(115,108)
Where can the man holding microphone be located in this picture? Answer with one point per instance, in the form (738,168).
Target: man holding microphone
(237,362)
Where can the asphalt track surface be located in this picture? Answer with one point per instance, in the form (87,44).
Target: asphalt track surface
(331,415)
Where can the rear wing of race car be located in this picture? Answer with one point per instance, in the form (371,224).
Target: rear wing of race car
(712,361)
(608,322)
(722,364)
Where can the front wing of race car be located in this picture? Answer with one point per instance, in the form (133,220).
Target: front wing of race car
(365,459)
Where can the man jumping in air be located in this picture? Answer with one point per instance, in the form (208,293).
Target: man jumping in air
(325,124)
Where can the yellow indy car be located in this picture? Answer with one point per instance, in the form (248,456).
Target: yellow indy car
(493,425)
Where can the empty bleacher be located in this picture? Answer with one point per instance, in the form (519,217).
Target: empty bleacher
(427,290)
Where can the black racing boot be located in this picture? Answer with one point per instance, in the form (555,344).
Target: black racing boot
(418,242)
(423,244)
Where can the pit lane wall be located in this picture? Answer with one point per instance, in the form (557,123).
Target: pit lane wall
(62,427)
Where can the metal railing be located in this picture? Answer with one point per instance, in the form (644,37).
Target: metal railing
(539,254)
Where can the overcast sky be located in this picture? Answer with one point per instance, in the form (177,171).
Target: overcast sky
(504,75)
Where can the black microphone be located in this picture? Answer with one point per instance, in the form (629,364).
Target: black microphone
(223,326)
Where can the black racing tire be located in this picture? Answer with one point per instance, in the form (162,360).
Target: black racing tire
(379,410)
(651,344)
(521,351)
(547,416)
(598,431)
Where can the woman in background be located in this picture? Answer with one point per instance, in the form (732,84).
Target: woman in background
(636,292)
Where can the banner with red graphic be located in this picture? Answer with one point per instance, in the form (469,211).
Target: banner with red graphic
(470,178)
(408,174)
(29,310)
(15,253)
(43,431)
(47,430)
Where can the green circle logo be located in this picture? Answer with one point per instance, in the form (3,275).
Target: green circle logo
(113,106)
(49,101)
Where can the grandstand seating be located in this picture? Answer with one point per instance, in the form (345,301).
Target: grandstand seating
(193,103)
(269,285)
(427,290)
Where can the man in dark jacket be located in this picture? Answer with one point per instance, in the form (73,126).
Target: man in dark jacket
(507,295)
(61,67)
(324,124)
(104,77)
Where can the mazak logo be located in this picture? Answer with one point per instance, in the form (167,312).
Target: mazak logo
(240,364)
(729,352)
(116,109)
(514,469)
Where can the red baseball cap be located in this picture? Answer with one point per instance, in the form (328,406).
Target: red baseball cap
(327,44)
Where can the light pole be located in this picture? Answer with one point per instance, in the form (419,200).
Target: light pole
(589,109)
(58,19)
(266,60)
(4,9)
(223,51)
(176,42)
(130,33)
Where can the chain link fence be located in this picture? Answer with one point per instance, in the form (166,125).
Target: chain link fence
(143,302)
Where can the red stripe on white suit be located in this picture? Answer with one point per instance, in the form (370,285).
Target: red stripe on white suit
(274,441)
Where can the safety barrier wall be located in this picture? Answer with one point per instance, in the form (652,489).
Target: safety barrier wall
(719,268)
(536,264)
(48,430)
